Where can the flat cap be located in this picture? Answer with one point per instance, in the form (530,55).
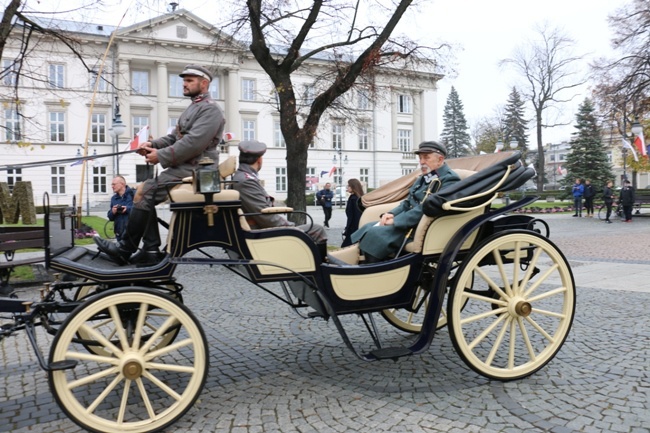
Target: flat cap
(431,147)
(252,147)
(196,70)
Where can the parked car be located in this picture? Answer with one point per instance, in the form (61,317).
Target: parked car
(340,196)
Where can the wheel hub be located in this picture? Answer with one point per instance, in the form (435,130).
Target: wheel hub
(523,308)
(132,368)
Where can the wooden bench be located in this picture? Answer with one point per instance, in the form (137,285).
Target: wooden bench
(641,200)
(18,238)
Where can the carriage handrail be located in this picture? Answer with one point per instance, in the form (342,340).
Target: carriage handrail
(450,204)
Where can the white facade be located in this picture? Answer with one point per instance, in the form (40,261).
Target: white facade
(377,138)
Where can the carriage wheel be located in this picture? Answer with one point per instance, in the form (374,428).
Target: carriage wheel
(410,320)
(109,326)
(519,309)
(141,384)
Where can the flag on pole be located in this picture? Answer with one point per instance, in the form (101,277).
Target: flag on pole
(323,173)
(627,145)
(228,136)
(141,137)
(332,171)
(559,169)
(640,145)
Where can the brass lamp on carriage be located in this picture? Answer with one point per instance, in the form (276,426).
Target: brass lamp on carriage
(206,181)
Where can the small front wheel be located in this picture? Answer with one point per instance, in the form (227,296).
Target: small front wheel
(137,382)
(512,306)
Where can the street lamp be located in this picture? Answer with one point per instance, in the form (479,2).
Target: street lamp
(513,145)
(117,129)
(339,151)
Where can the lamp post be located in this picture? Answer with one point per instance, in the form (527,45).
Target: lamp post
(513,145)
(339,151)
(117,129)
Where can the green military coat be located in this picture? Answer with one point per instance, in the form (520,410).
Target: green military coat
(382,241)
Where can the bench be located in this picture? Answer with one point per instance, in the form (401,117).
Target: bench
(641,199)
(18,238)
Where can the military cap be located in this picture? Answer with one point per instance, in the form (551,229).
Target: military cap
(252,147)
(197,71)
(431,147)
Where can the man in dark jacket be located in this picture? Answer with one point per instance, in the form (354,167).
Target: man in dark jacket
(377,241)
(197,135)
(121,204)
(324,198)
(589,193)
(627,200)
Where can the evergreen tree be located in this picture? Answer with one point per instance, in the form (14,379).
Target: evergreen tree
(588,156)
(514,124)
(454,134)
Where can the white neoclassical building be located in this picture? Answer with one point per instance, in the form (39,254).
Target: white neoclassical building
(58,109)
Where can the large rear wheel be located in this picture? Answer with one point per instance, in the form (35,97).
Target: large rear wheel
(516,313)
(140,383)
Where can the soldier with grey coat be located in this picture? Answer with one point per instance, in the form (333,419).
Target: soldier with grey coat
(379,240)
(198,133)
(254,197)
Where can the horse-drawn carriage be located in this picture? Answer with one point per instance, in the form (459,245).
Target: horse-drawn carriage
(128,355)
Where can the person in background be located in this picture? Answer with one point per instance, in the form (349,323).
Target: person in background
(377,241)
(197,135)
(627,200)
(254,197)
(589,194)
(608,198)
(324,198)
(352,210)
(121,204)
(577,192)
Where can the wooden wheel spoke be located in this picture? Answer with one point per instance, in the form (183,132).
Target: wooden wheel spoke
(541,279)
(124,401)
(167,349)
(160,384)
(504,277)
(540,330)
(101,397)
(171,321)
(498,341)
(92,358)
(139,325)
(171,367)
(101,339)
(483,315)
(119,327)
(559,290)
(145,398)
(486,331)
(492,284)
(529,272)
(92,377)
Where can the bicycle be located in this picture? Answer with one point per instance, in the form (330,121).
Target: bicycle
(109,232)
(617,210)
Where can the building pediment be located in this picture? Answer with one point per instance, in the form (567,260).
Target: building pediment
(181,28)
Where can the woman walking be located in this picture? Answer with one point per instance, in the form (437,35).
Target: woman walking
(352,210)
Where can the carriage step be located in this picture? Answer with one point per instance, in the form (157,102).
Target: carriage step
(62,365)
(391,353)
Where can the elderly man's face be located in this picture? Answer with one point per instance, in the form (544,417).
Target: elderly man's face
(430,162)
(118,185)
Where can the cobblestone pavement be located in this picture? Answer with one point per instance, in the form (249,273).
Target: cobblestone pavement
(273,371)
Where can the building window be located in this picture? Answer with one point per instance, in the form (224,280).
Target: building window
(98,128)
(363,99)
(139,122)
(309,94)
(280,179)
(99,179)
(171,125)
(363,138)
(364,176)
(9,72)
(404,140)
(57,127)
(12,125)
(311,179)
(407,170)
(102,85)
(214,88)
(175,86)
(58,180)
(404,104)
(248,89)
(248,129)
(278,137)
(14,175)
(140,82)
(56,77)
(337,136)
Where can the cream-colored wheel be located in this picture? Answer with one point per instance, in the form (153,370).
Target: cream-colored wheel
(108,325)
(410,320)
(517,313)
(140,384)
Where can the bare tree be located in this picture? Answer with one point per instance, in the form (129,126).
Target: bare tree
(326,29)
(548,68)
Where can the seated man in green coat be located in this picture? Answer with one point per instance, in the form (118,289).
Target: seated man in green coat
(378,241)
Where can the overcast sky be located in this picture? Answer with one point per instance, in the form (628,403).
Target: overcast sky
(487,31)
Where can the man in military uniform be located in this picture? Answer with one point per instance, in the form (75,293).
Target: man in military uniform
(377,241)
(198,133)
(254,197)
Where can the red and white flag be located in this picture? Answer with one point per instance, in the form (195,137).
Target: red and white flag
(559,169)
(332,171)
(228,136)
(627,145)
(141,137)
(640,145)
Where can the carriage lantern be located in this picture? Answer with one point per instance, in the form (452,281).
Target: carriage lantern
(206,181)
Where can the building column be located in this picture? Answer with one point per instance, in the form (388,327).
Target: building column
(231,100)
(418,111)
(162,113)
